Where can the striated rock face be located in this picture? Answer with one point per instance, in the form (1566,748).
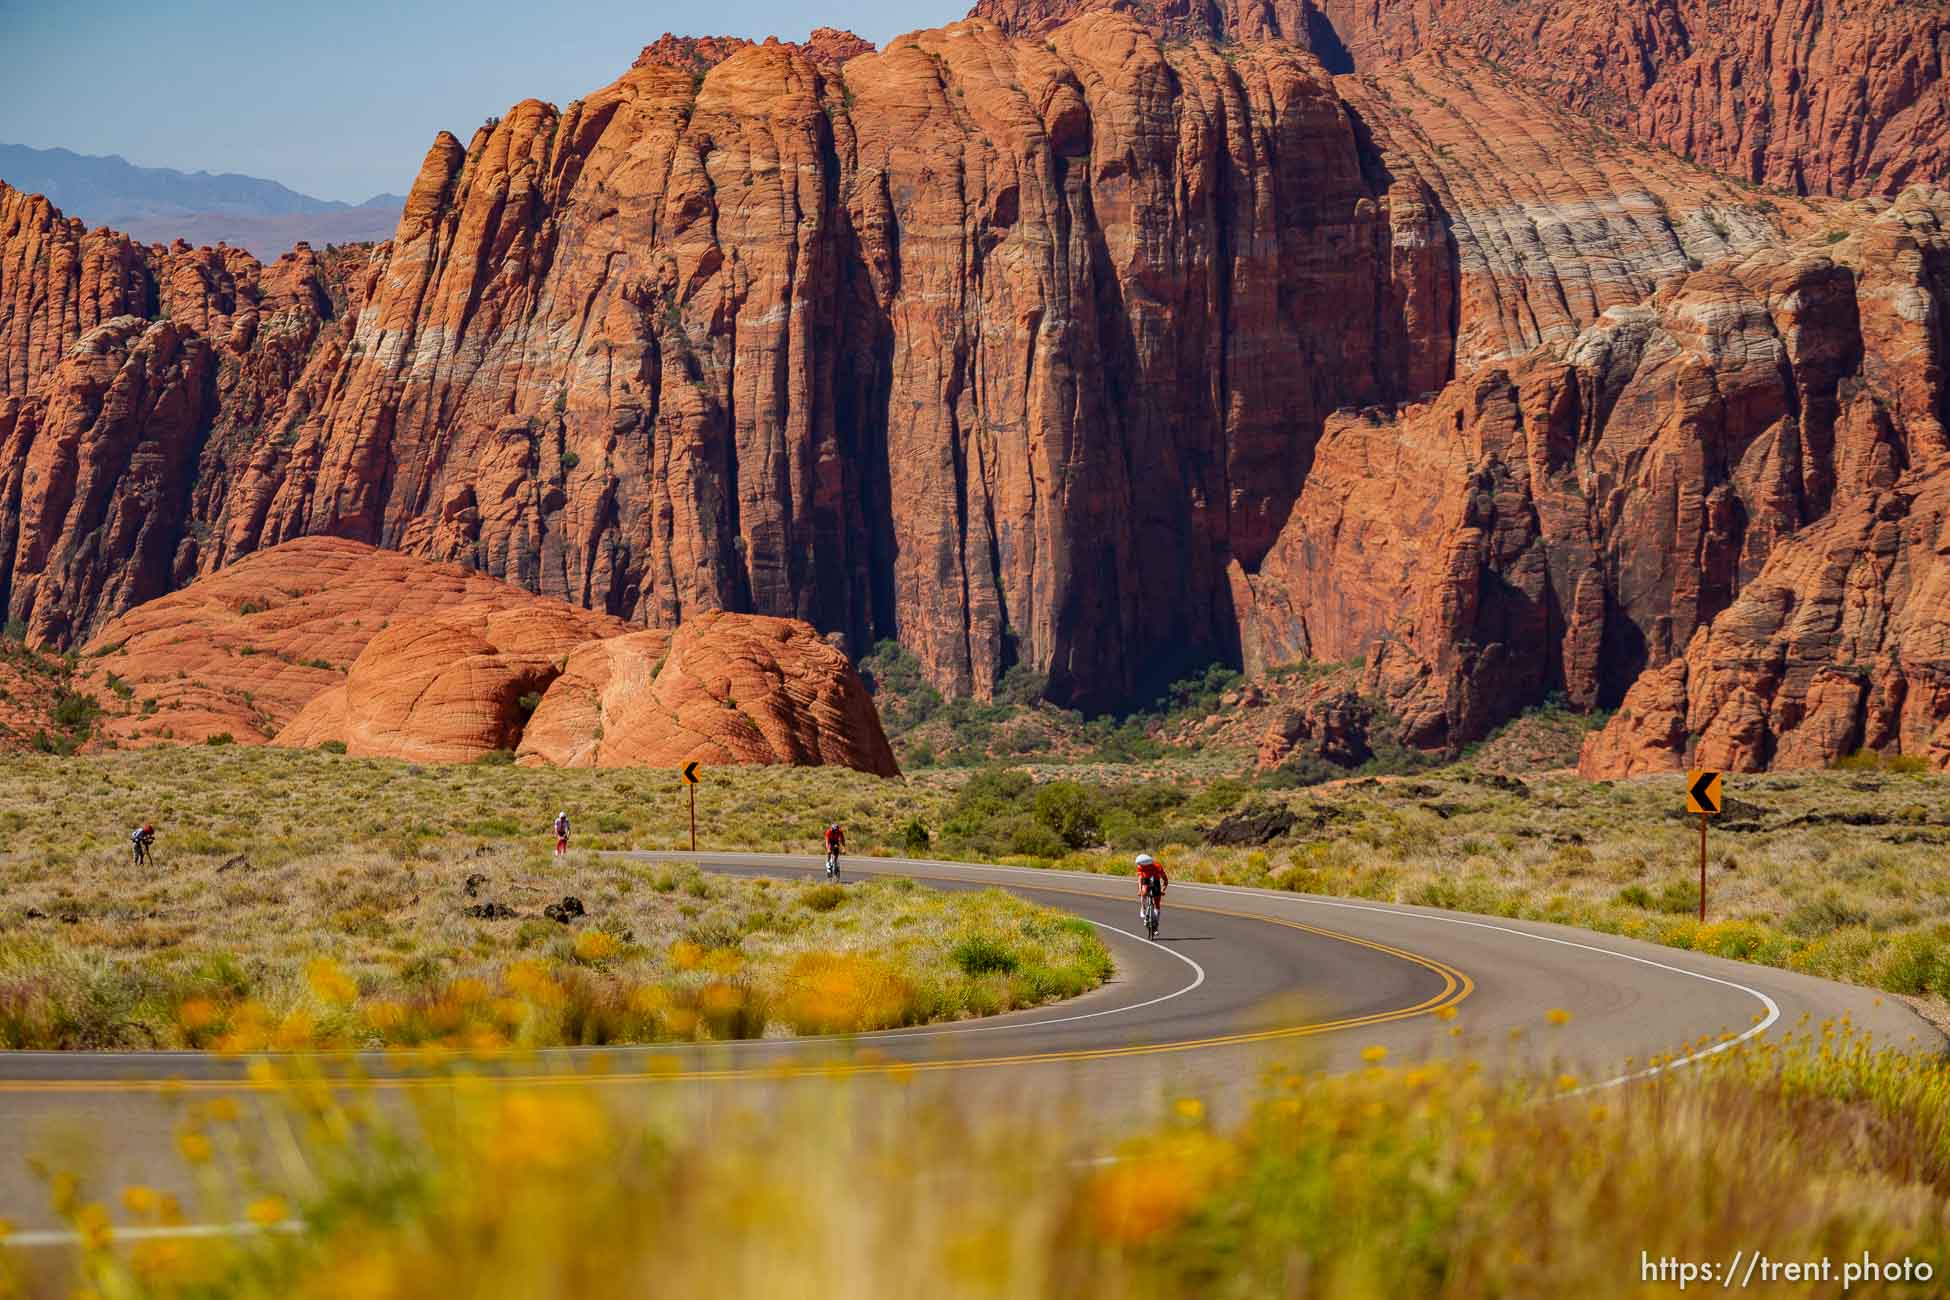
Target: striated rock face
(723,688)
(449,687)
(1078,345)
(244,650)
(133,383)
(324,639)
(1843,97)
(567,686)
(964,343)
(1842,643)
(1560,522)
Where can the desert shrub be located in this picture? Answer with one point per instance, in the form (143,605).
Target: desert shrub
(1220,796)
(914,837)
(1914,962)
(220,738)
(1021,686)
(1033,839)
(74,712)
(822,898)
(980,954)
(1072,812)
(1869,760)
(1822,915)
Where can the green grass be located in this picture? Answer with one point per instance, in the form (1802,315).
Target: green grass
(1844,874)
(364,952)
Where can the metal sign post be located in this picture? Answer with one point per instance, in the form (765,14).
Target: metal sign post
(690,783)
(1702,797)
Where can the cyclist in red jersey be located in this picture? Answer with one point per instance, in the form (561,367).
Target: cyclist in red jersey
(1152,882)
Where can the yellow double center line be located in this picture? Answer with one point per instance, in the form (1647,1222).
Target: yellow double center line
(1455,987)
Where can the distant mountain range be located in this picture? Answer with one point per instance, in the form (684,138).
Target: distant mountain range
(160,204)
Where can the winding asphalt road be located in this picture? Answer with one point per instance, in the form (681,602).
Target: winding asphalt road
(1238,979)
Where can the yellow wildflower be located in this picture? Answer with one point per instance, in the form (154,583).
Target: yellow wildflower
(596,945)
(330,983)
(267,1211)
(92,1222)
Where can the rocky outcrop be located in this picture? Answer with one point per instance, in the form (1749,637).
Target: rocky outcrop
(133,382)
(1067,349)
(554,684)
(962,343)
(1561,522)
(324,639)
(243,651)
(723,688)
(449,687)
(697,55)
(1841,644)
(1843,97)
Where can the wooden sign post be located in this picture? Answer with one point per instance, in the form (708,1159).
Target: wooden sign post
(1702,797)
(690,783)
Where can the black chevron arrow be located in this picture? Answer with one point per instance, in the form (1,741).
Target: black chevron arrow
(690,771)
(1702,792)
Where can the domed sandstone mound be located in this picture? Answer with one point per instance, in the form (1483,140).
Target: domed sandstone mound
(243,650)
(723,688)
(452,686)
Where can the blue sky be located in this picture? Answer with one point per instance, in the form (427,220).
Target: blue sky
(341,100)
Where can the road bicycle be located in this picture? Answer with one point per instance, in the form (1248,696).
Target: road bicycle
(832,864)
(1149,909)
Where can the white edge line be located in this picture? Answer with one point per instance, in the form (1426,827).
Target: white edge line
(43,1237)
(1773,1008)
(62,1237)
(1198,978)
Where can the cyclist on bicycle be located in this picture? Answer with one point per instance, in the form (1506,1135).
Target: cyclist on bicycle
(562,833)
(835,842)
(141,839)
(1152,883)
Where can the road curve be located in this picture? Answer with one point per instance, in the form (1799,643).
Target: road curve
(1237,980)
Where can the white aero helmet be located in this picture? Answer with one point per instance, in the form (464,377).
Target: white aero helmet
(1144,860)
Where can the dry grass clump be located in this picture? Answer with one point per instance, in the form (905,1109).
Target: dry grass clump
(363,949)
(1430,1181)
(1844,873)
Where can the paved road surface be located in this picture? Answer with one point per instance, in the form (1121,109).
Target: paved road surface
(1238,979)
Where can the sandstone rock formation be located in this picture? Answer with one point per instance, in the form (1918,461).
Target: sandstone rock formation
(1566,519)
(449,687)
(244,650)
(1843,97)
(571,687)
(323,639)
(1069,344)
(723,688)
(965,341)
(1841,644)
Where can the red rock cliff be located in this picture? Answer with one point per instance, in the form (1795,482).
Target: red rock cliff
(1080,348)
(1840,97)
